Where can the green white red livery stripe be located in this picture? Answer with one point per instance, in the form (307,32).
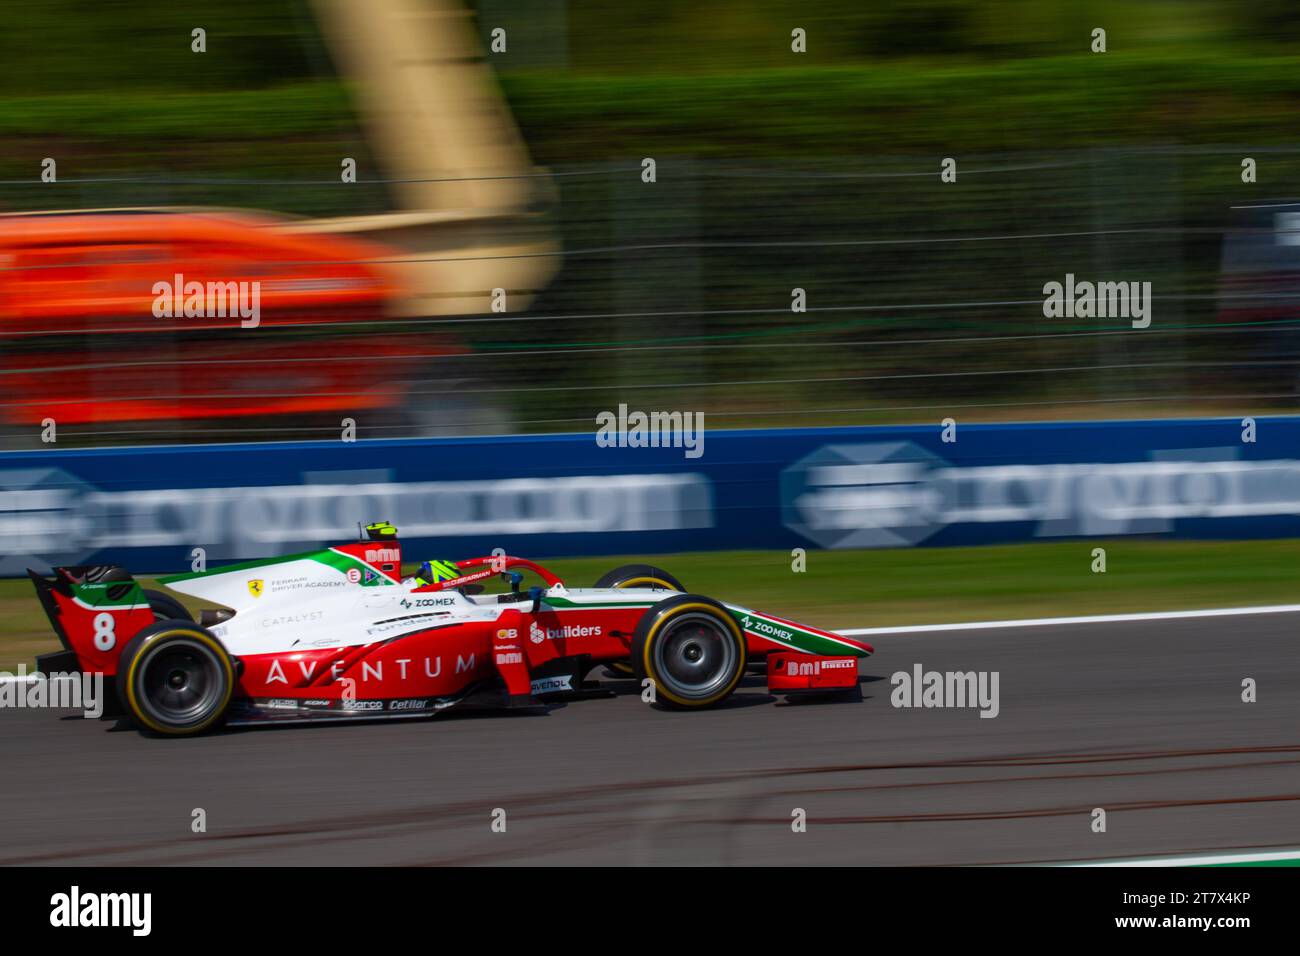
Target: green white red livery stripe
(795,637)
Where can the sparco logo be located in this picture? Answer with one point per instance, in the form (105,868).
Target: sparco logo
(537,634)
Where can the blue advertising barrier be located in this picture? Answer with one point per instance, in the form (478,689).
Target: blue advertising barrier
(555,495)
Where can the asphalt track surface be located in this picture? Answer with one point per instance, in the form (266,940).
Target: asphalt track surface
(1144,719)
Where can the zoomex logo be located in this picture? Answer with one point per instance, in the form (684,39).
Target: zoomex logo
(767,628)
(427,602)
(76,909)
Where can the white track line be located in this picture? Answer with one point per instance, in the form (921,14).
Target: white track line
(1022,622)
(1213,859)
(1087,619)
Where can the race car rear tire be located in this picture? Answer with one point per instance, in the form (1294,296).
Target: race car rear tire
(636,576)
(692,649)
(166,608)
(174,678)
(640,576)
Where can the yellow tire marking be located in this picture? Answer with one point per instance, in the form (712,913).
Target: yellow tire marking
(740,640)
(619,666)
(138,712)
(633,582)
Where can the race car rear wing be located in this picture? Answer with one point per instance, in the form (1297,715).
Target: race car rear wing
(95,610)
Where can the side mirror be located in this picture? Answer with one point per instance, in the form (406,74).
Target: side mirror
(536,594)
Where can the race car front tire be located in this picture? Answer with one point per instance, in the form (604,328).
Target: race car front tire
(175,678)
(692,649)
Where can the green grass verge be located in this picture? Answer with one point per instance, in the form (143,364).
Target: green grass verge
(935,585)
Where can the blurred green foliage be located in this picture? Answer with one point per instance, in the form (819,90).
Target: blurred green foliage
(62,46)
(891,76)
(116,46)
(755,143)
(1078,101)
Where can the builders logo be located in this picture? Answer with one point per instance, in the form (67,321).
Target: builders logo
(537,634)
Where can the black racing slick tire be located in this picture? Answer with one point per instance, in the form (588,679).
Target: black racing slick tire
(692,649)
(636,576)
(175,678)
(167,608)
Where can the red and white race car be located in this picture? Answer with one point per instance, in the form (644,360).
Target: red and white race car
(338,634)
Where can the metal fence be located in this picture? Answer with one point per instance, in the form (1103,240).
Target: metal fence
(923,298)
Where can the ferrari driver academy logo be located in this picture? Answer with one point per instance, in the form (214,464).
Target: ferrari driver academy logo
(255,587)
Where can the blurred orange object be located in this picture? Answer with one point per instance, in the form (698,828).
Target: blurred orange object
(66,272)
(82,343)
